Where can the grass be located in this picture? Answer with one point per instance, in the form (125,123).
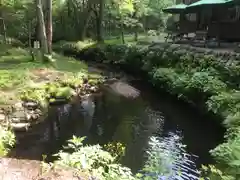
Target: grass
(18,71)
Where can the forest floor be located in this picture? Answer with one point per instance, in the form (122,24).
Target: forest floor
(18,71)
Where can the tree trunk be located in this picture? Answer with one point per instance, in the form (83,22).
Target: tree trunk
(30,40)
(42,30)
(135,35)
(122,33)
(85,26)
(87,14)
(3,24)
(4,31)
(99,22)
(49,26)
(134,16)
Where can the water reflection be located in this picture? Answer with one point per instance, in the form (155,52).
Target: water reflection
(167,158)
(87,108)
(150,144)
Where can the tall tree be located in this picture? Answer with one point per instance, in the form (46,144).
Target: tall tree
(3,22)
(49,26)
(86,17)
(100,21)
(42,30)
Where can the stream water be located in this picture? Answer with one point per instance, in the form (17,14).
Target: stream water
(157,130)
(162,136)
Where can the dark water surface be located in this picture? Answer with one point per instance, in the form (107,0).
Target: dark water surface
(157,130)
(177,137)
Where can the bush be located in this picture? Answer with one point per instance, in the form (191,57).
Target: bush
(7,140)
(73,48)
(94,160)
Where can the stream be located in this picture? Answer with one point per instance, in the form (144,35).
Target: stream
(157,130)
(163,137)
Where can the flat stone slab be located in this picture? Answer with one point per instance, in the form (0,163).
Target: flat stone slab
(16,169)
(20,169)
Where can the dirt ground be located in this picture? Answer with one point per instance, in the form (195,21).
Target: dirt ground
(19,169)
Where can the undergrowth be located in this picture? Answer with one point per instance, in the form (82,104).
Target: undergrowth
(94,160)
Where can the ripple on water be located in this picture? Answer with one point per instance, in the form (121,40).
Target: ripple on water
(122,115)
(167,158)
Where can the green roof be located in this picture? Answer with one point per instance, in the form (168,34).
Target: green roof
(208,3)
(175,9)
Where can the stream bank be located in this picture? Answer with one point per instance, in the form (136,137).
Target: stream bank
(128,111)
(206,79)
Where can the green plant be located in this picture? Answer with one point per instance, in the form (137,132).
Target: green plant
(211,172)
(116,149)
(93,159)
(225,103)
(7,140)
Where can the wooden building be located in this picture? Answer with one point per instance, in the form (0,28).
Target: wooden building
(223,22)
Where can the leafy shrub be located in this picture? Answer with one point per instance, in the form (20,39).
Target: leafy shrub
(228,156)
(7,139)
(211,172)
(93,159)
(206,83)
(63,89)
(72,47)
(152,33)
(116,149)
(115,54)
(168,79)
(224,103)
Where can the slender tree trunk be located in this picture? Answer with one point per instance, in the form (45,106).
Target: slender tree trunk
(134,16)
(49,26)
(87,14)
(42,30)
(121,24)
(85,26)
(135,35)
(122,33)
(29,35)
(3,24)
(99,22)
(30,40)
(4,31)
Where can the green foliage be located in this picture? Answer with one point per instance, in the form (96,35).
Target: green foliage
(72,47)
(63,89)
(69,17)
(202,79)
(94,160)
(34,94)
(213,173)
(10,79)
(116,149)
(225,103)
(7,140)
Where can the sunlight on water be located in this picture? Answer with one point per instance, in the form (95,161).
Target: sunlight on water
(167,159)
(154,145)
